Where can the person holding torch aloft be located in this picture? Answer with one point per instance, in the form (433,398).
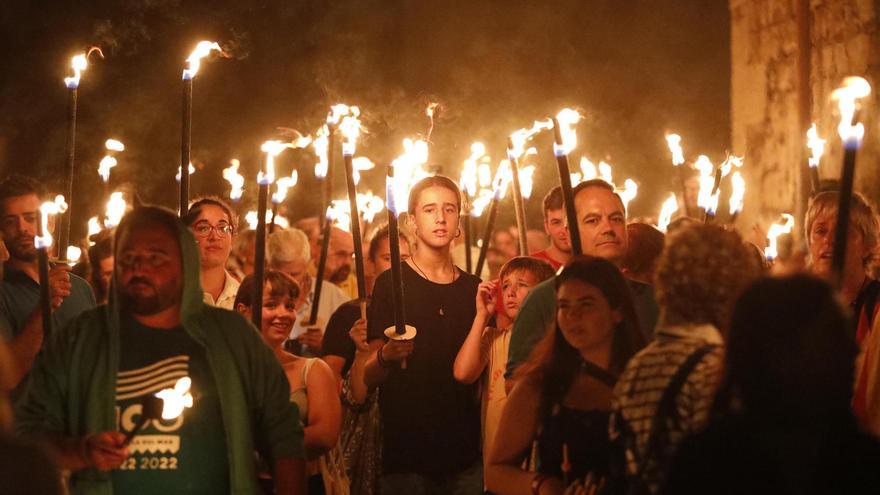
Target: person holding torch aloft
(431,437)
(21,323)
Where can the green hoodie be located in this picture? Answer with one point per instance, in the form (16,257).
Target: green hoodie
(73,383)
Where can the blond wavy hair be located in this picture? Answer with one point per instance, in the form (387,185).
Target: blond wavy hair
(701,272)
(862,215)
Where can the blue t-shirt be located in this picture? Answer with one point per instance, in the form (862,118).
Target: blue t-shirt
(184,455)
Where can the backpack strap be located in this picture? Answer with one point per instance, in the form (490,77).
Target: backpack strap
(666,407)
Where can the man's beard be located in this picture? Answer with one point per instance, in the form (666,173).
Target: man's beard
(145,305)
(17,252)
(340,275)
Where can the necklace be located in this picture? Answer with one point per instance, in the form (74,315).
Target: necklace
(425,275)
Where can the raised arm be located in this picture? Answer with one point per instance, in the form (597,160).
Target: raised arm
(472,357)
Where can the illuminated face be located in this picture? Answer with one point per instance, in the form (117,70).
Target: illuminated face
(279,315)
(584,316)
(149,270)
(19,226)
(514,288)
(383,255)
(436,216)
(340,256)
(213,233)
(822,245)
(602,224)
(554,225)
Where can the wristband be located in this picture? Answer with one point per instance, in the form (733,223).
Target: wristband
(381,360)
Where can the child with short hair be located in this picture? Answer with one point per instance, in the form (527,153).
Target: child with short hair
(485,348)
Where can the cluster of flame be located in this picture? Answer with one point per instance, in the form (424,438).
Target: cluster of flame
(590,171)
(369,205)
(109,161)
(175,400)
(251,218)
(709,181)
(409,168)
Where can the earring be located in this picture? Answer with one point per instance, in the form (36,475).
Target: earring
(458,233)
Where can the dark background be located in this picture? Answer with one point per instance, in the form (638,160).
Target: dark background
(636,69)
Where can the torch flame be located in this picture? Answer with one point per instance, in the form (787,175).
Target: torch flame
(730,162)
(775,230)
(79,63)
(282,185)
(408,169)
(351,128)
(567,119)
(526,180)
(73,255)
(321,143)
(707,183)
(847,97)
(628,193)
(175,400)
(114,210)
(470,170)
(48,208)
(520,137)
(194,61)
(104,167)
(114,145)
(191,169)
(503,178)
(588,170)
(272,149)
(605,173)
(359,164)
(480,202)
(738,192)
(369,206)
(94,227)
(816,145)
(674,142)
(670,206)
(235,179)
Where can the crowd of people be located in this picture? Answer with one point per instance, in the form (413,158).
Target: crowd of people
(654,362)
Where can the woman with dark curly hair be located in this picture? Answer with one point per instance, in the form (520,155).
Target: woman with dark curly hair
(563,395)
(699,275)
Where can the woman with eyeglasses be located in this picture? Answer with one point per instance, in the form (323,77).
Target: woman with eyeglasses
(213,225)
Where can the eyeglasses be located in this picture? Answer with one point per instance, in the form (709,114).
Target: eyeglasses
(204,229)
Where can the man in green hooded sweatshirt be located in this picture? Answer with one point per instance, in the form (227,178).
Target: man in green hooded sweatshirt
(88,387)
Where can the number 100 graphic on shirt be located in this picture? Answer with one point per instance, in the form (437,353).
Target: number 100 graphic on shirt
(158,443)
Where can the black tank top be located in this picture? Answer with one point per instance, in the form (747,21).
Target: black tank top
(585,433)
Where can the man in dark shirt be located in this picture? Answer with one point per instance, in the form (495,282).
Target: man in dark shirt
(21,320)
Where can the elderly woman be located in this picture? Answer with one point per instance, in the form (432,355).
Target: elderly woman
(858,289)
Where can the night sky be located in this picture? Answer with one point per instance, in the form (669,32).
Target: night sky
(635,68)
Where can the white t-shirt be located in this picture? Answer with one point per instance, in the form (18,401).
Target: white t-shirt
(331,298)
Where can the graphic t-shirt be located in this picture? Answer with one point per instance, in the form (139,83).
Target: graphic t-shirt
(182,455)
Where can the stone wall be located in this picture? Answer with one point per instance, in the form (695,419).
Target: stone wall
(786,58)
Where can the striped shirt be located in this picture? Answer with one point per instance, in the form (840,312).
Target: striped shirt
(641,386)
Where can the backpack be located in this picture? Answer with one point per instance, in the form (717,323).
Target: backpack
(620,482)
